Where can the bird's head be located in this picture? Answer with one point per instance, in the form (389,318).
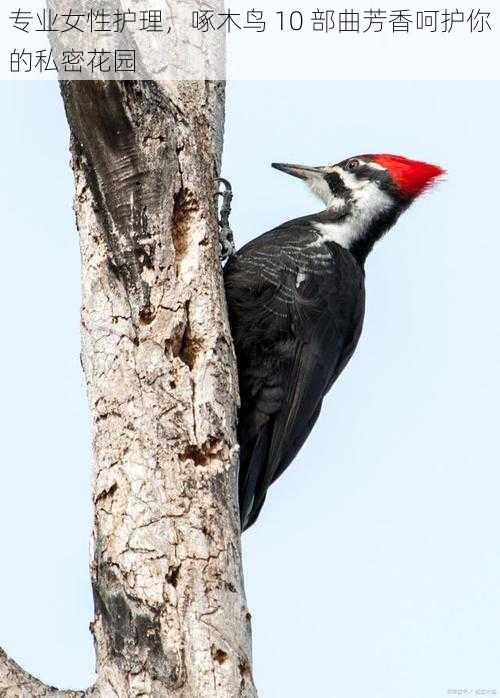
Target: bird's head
(366,194)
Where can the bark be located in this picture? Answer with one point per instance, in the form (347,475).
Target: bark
(170,612)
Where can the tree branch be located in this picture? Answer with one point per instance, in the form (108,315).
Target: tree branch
(17,683)
(170,610)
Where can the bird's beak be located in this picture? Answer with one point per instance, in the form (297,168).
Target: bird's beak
(300,171)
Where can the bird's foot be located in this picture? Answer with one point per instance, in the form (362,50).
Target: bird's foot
(226,237)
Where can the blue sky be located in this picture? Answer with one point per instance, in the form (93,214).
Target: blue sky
(374,568)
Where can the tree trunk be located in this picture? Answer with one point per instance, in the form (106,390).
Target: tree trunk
(170,611)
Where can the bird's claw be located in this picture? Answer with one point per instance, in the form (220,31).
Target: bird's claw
(226,237)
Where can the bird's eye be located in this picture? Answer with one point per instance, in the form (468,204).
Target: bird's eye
(353,164)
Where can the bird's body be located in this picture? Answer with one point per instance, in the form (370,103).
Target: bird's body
(296,303)
(296,311)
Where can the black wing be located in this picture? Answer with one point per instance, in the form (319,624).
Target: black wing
(296,308)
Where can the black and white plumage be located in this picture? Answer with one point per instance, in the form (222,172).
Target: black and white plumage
(296,303)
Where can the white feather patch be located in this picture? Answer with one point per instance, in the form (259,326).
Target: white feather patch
(369,202)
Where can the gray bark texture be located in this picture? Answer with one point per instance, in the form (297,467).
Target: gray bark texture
(170,612)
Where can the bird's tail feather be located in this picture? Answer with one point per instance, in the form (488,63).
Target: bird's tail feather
(252,457)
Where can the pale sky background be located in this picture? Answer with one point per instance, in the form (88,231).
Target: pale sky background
(374,568)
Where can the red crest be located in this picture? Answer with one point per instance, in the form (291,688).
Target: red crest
(411,176)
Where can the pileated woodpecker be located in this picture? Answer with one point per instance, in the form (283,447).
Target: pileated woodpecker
(296,302)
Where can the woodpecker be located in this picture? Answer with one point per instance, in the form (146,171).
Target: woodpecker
(296,301)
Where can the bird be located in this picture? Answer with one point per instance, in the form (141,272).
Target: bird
(296,303)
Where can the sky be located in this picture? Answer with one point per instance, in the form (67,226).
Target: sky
(373,570)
